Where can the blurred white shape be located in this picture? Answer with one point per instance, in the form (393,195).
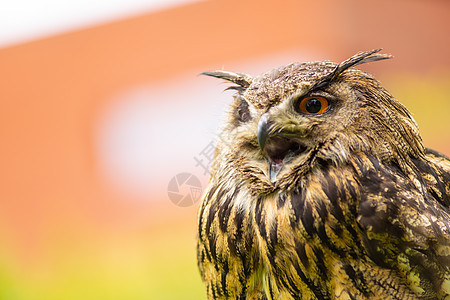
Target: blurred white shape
(150,134)
(25,20)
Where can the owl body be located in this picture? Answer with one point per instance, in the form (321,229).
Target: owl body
(321,189)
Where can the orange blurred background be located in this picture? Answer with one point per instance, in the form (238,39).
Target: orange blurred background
(95,123)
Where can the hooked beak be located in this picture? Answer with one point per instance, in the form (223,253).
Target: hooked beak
(263,131)
(262,134)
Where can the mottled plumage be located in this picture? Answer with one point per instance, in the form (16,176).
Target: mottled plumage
(321,188)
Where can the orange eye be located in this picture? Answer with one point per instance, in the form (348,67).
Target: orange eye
(313,105)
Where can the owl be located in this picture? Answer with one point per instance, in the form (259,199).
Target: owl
(321,188)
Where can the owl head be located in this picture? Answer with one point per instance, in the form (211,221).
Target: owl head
(303,116)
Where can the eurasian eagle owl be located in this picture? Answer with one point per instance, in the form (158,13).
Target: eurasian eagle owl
(321,188)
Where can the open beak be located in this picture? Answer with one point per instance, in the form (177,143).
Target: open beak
(278,147)
(262,134)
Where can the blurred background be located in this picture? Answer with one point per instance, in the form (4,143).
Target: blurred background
(106,128)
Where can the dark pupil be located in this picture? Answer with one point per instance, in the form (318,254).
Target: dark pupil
(244,115)
(313,105)
(243,112)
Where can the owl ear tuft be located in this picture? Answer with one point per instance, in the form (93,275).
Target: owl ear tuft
(361,58)
(357,59)
(242,80)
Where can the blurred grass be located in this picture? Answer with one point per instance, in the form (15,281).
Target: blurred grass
(155,263)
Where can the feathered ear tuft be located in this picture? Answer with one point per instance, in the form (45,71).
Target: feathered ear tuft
(357,59)
(362,58)
(243,80)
